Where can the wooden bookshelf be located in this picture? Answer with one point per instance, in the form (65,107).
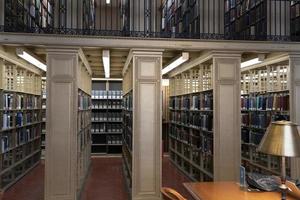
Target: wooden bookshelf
(43,128)
(20,134)
(295,18)
(127,137)
(265,98)
(191,137)
(107,117)
(27,13)
(84,135)
(128,126)
(181,16)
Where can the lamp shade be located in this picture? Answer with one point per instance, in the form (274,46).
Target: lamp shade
(281,139)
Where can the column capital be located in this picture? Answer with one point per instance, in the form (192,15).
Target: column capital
(226,54)
(60,50)
(294,54)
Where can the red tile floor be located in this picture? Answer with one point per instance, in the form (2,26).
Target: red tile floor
(104,182)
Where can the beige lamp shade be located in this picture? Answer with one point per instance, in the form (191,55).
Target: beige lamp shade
(281,139)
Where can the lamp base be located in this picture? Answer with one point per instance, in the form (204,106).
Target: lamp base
(283,188)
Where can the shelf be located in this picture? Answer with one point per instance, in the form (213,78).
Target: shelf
(19,162)
(106,133)
(17,127)
(107,108)
(97,121)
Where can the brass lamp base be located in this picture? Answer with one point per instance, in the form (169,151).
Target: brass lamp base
(283,188)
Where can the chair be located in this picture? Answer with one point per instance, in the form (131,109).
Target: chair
(170,194)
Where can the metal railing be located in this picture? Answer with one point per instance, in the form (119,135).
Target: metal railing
(276,20)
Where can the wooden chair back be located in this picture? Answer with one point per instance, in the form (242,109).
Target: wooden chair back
(171,194)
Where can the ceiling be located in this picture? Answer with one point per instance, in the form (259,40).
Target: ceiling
(118,57)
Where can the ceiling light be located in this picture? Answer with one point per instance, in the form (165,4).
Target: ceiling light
(107,1)
(106,62)
(31,59)
(250,62)
(183,58)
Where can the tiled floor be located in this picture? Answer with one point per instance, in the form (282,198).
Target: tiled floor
(105,182)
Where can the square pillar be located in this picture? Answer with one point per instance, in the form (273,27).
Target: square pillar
(61,116)
(294,86)
(227,129)
(147,160)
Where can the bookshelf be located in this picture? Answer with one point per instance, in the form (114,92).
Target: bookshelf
(264,98)
(246,18)
(43,129)
(181,16)
(256,19)
(29,14)
(128,126)
(107,117)
(20,134)
(84,136)
(191,136)
(295,18)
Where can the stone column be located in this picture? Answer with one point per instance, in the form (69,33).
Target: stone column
(227,129)
(146,170)
(294,86)
(61,137)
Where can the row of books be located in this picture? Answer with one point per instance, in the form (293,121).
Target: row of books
(127,120)
(114,139)
(197,102)
(107,105)
(261,120)
(83,120)
(204,144)
(105,127)
(104,94)
(21,119)
(15,101)
(104,116)
(278,102)
(22,136)
(295,9)
(127,102)
(252,137)
(84,101)
(196,120)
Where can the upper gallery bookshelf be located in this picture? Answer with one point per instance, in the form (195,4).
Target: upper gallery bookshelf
(191,134)
(265,98)
(29,13)
(181,16)
(20,132)
(107,117)
(295,18)
(256,19)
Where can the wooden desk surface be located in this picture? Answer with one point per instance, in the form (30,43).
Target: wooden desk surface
(227,191)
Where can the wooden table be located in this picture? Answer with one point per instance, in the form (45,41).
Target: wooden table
(227,191)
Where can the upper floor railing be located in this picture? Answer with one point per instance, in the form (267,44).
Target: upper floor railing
(276,20)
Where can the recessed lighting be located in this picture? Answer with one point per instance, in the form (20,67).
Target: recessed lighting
(182,59)
(250,62)
(31,59)
(107,1)
(106,63)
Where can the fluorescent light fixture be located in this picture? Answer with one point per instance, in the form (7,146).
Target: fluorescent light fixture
(107,1)
(106,62)
(31,59)
(250,62)
(165,82)
(183,58)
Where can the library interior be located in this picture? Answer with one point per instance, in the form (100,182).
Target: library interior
(149,99)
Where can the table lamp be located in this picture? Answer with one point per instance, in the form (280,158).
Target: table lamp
(281,139)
